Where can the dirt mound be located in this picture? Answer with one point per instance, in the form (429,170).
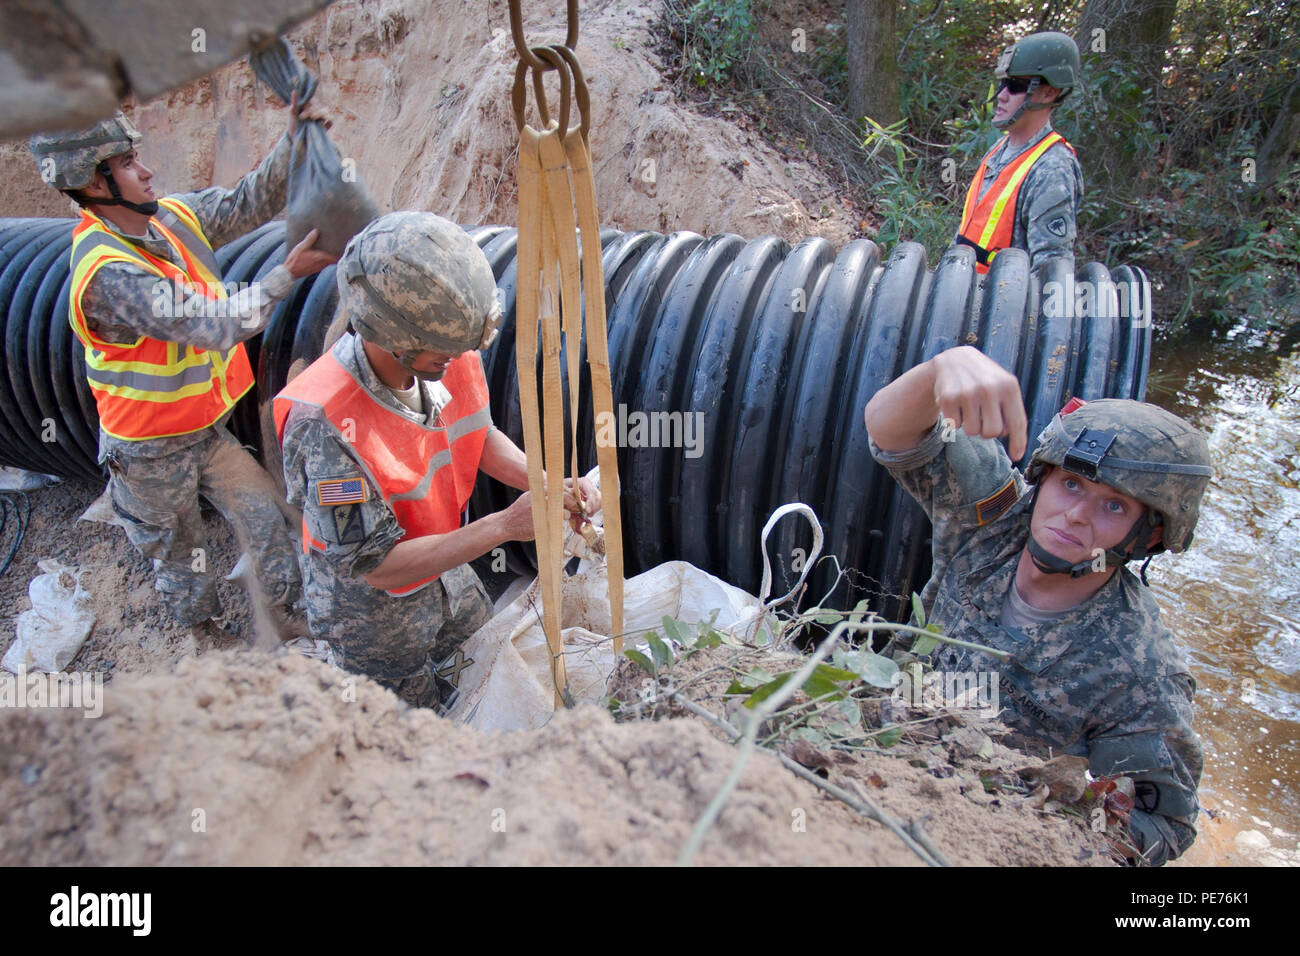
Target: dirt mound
(210,756)
(420,95)
(247,758)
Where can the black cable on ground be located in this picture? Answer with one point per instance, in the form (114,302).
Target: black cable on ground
(11,499)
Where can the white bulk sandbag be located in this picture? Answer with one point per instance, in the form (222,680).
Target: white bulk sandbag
(506,683)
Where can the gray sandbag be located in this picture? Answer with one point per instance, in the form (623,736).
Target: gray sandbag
(323,193)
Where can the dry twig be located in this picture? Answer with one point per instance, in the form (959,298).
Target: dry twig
(917,830)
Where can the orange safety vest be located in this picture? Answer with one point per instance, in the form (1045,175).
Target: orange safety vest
(425,474)
(149,388)
(986,224)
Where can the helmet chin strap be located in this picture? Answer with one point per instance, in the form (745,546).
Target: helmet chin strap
(1049,563)
(1034,83)
(143,208)
(423,376)
(1132,548)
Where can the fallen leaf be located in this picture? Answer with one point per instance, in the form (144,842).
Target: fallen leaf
(968,742)
(806,755)
(1099,788)
(1063,776)
(1119,805)
(1039,797)
(995,780)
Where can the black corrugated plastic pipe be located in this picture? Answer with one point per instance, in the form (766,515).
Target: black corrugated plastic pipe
(772,350)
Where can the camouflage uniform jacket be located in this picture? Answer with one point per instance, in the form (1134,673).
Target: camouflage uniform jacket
(1048,201)
(374,632)
(120,302)
(1104,681)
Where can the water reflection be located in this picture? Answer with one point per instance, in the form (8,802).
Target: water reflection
(1234,598)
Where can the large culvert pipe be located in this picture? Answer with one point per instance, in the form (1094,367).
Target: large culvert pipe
(771,350)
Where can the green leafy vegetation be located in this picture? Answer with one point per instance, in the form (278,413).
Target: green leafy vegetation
(840,702)
(1190,154)
(716,35)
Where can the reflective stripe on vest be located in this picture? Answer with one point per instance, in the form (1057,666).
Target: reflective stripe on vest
(425,474)
(150,388)
(987,224)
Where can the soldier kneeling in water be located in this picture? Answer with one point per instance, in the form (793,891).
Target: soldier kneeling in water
(1034,565)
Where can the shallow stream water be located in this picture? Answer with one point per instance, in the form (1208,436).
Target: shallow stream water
(1233,599)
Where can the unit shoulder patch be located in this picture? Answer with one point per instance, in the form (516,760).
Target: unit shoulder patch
(349,524)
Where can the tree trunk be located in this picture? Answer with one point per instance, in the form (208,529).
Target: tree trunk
(1282,141)
(1135,30)
(872,33)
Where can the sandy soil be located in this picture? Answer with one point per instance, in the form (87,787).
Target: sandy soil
(133,631)
(419,91)
(236,756)
(247,759)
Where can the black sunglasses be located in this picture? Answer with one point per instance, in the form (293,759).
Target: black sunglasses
(1015,85)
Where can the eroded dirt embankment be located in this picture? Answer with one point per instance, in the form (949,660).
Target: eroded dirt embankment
(419,95)
(248,758)
(215,755)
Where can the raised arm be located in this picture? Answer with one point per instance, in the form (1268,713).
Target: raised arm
(123,302)
(964,386)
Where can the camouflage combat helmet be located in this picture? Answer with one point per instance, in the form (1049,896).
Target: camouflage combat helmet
(1053,57)
(1141,451)
(413,282)
(68,160)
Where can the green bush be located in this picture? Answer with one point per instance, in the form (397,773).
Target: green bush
(719,34)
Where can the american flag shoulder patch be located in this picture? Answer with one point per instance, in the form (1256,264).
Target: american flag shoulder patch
(342,491)
(996,504)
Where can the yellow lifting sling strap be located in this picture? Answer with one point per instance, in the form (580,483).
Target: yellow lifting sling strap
(557,210)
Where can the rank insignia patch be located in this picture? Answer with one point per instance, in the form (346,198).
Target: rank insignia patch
(449,670)
(342,491)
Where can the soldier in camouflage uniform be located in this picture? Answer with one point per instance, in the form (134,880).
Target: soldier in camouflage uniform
(1036,76)
(1037,570)
(383,438)
(148,300)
